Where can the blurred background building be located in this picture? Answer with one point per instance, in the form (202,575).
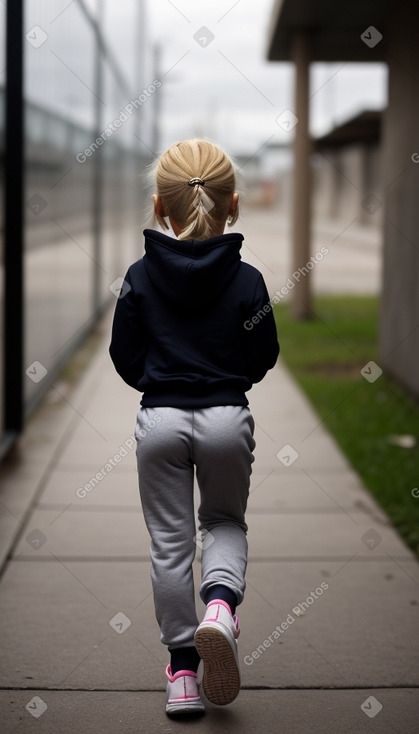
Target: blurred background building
(385,178)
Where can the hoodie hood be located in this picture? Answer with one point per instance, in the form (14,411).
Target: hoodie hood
(191,272)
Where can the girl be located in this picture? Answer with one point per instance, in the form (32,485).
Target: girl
(183,335)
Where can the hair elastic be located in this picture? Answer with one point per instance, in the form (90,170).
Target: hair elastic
(196,181)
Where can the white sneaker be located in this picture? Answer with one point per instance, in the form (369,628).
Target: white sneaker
(183,693)
(216,642)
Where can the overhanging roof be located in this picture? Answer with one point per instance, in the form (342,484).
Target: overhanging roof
(363,128)
(334,26)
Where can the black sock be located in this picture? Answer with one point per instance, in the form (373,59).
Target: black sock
(184,658)
(222,592)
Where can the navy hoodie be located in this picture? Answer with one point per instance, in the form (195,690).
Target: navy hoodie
(183,332)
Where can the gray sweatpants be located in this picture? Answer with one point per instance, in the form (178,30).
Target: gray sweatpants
(171,442)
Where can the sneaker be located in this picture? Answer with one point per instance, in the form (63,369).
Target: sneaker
(183,693)
(216,642)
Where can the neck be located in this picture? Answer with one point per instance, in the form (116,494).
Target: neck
(217,230)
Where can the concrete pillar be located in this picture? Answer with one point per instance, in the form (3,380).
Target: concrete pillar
(399,326)
(301,211)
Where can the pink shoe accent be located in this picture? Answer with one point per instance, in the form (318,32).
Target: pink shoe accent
(182,692)
(223,604)
(172,678)
(236,624)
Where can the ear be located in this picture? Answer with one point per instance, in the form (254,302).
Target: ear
(233,205)
(159,211)
(158,206)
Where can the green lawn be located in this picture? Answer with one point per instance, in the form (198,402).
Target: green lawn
(325,355)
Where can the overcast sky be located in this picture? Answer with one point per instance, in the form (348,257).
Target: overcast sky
(226,89)
(222,88)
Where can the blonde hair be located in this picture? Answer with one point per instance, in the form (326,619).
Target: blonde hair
(197,207)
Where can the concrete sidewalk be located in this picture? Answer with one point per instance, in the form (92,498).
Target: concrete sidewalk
(329,623)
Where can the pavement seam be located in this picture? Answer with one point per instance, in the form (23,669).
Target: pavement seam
(261,559)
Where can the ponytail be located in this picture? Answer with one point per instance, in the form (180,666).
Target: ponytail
(195,180)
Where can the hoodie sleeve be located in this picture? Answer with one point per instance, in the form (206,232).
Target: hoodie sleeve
(260,341)
(129,340)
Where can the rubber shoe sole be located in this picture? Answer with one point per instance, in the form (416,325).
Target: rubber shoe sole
(221,679)
(192,708)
